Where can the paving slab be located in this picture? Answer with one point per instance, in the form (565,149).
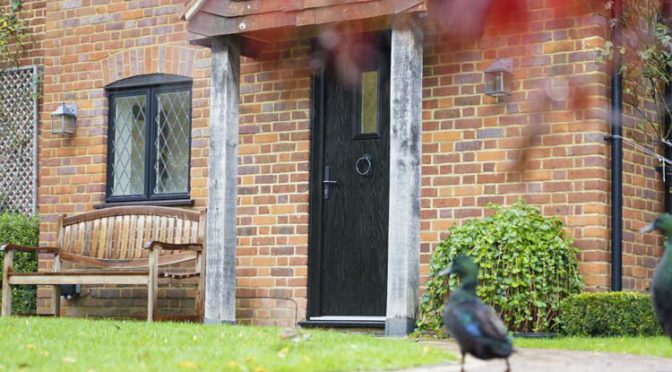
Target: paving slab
(548,360)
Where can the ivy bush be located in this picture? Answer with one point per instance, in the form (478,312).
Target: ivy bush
(608,314)
(527,266)
(24,230)
(14,32)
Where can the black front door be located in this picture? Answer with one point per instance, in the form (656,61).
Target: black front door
(350,186)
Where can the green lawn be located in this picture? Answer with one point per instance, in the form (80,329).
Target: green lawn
(108,345)
(654,346)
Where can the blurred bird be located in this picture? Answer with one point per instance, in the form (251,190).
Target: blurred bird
(475,325)
(661,289)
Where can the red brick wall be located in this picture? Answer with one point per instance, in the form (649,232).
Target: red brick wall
(88,45)
(643,191)
(544,143)
(273,184)
(33,15)
(538,144)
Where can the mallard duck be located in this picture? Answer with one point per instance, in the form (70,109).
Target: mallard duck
(475,325)
(661,288)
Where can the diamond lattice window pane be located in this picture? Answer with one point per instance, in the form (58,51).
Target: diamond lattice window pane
(128,149)
(172,142)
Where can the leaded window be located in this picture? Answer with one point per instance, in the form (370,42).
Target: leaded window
(149,149)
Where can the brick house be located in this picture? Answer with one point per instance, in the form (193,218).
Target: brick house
(281,116)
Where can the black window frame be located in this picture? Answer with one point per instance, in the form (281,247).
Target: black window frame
(151,86)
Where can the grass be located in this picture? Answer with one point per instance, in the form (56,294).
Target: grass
(651,346)
(108,345)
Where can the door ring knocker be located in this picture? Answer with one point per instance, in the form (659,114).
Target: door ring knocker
(364,166)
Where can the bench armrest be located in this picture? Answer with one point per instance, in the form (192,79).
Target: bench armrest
(195,247)
(22,248)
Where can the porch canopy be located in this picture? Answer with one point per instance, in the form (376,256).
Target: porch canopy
(228,28)
(252,19)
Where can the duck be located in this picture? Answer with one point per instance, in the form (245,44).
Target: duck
(474,325)
(661,286)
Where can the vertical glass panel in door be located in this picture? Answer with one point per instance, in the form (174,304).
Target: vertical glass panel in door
(172,142)
(128,168)
(369,109)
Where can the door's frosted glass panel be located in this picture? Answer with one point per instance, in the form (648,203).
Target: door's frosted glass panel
(369,118)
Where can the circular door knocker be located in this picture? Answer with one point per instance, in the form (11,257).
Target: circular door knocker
(364,166)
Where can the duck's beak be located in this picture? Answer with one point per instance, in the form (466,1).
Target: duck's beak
(447,271)
(648,228)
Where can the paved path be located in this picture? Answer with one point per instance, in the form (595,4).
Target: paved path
(532,360)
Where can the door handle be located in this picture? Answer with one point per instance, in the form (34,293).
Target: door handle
(364,166)
(327,182)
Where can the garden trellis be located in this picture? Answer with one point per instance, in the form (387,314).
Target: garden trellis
(18,139)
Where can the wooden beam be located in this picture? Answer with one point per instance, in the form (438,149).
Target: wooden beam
(239,9)
(211,25)
(220,272)
(232,9)
(403,278)
(39,279)
(232,17)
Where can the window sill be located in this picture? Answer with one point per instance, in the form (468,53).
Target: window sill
(159,203)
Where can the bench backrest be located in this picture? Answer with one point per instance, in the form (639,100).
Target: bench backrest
(120,233)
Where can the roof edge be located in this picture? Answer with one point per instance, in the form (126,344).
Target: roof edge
(191,8)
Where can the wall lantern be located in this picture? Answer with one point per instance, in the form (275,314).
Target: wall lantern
(64,119)
(499,78)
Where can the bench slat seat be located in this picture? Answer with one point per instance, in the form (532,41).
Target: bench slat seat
(120,245)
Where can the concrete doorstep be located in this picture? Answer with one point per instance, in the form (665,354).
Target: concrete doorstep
(547,360)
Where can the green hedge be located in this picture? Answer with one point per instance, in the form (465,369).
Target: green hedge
(608,314)
(23,230)
(527,266)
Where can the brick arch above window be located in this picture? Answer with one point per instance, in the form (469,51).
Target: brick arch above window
(149,60)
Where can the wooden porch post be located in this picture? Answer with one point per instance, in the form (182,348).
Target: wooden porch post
(220,272)
(405,178)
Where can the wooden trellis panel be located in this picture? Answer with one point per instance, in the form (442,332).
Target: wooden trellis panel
(18,139)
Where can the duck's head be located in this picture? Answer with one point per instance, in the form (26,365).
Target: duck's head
(663,224)
(462,266)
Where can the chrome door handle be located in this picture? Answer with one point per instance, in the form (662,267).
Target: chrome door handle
(327,182)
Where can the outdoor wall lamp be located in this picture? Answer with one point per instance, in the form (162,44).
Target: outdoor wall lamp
(64,120)
(499,78)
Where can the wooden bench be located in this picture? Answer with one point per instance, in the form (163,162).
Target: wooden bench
(120,245)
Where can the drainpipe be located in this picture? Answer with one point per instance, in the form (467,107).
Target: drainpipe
(616,155)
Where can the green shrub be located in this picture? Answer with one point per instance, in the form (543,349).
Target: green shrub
(608,314)
(23,230)
(527,266)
